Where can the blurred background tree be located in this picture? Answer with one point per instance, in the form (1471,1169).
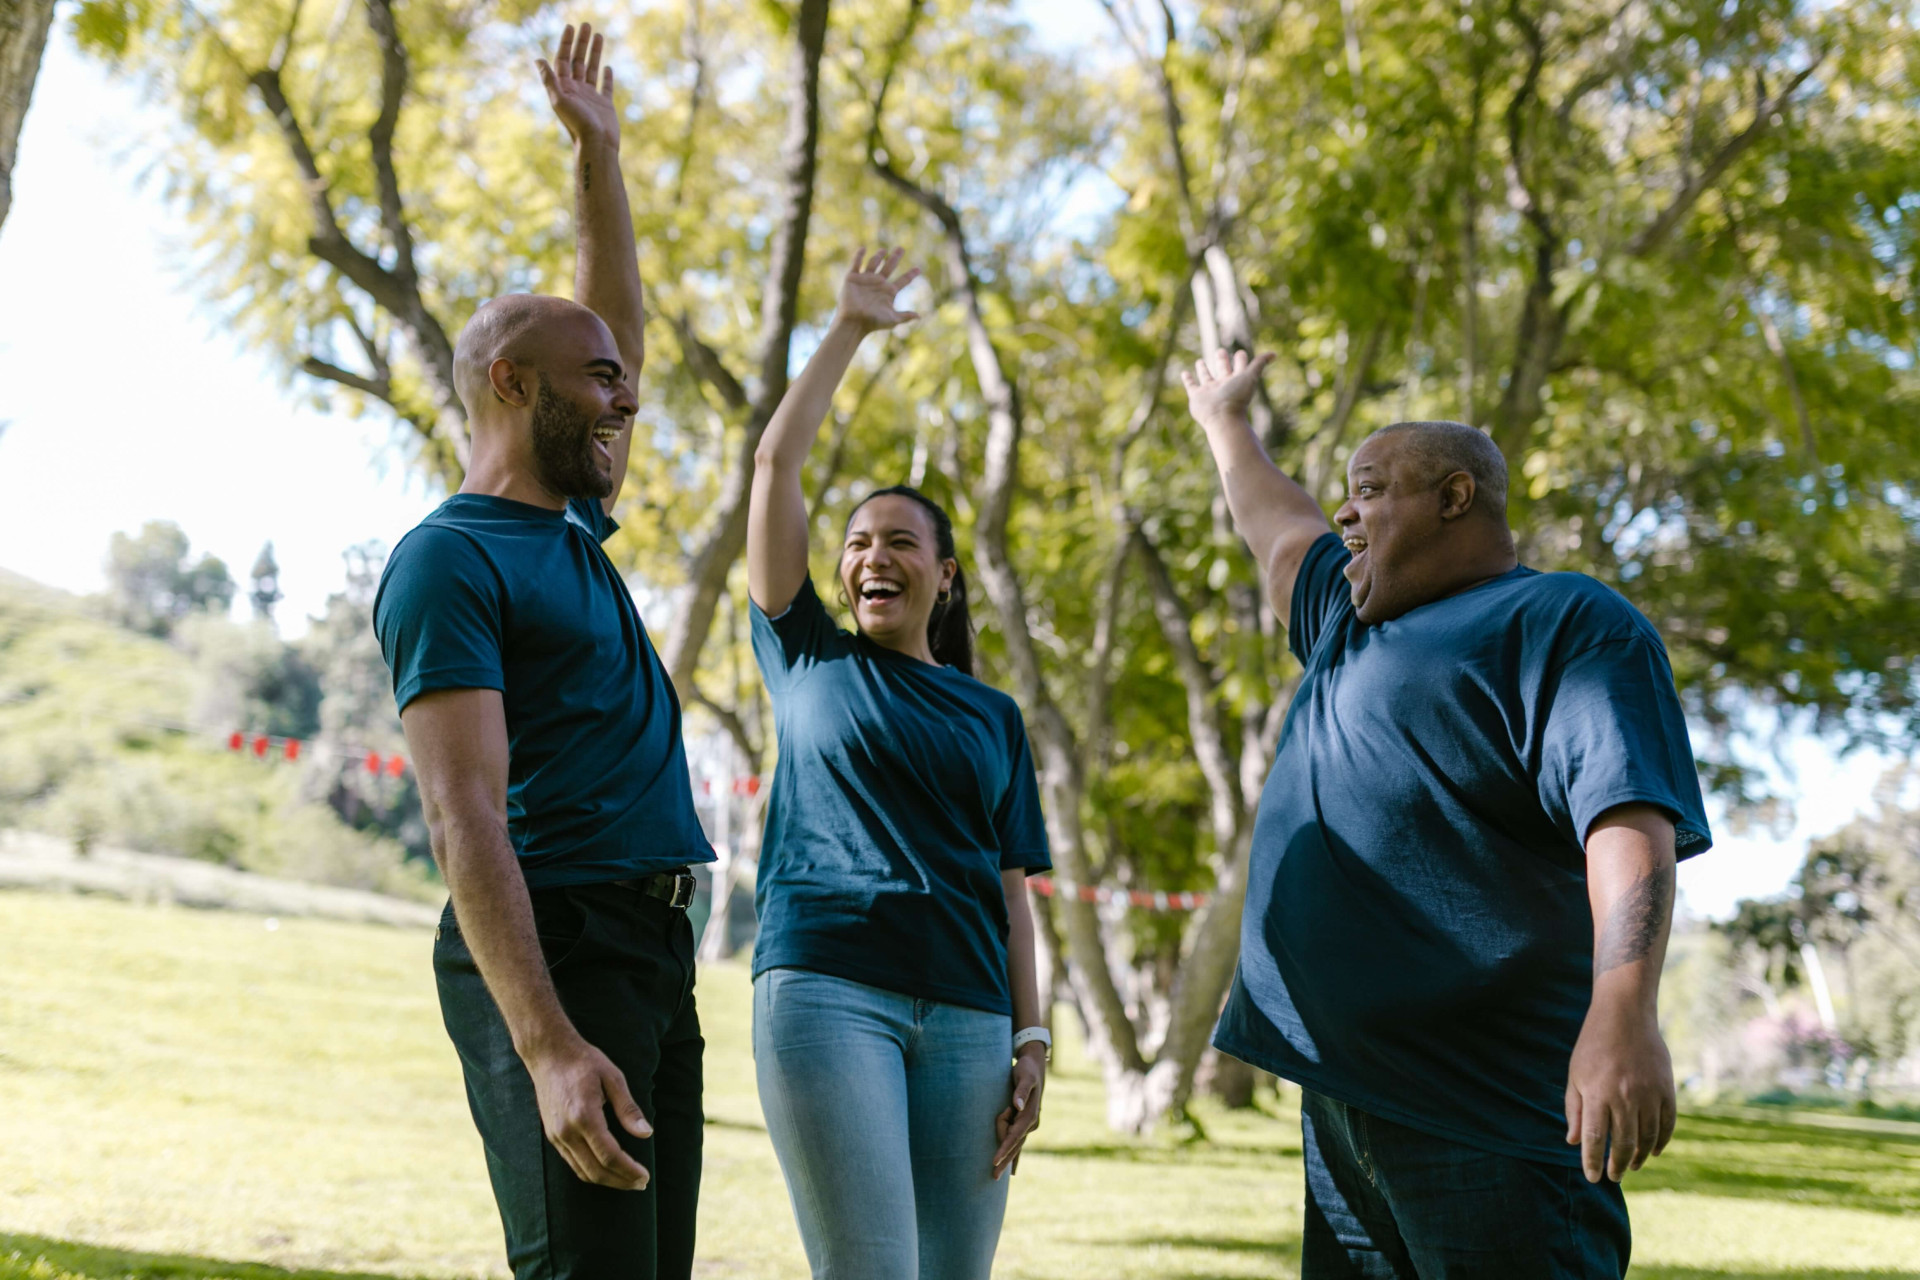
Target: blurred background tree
(151,585)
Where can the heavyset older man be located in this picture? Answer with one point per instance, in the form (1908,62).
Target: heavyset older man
(1462,869)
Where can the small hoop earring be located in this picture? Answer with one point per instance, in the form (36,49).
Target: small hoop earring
(943,597)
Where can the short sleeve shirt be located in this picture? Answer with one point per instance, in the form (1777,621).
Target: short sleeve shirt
(903,790)
(1418,941)
(488,593)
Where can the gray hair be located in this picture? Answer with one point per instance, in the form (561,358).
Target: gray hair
(1439,449)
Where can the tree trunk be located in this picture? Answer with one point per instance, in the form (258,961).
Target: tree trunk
(23,42)
(714,559)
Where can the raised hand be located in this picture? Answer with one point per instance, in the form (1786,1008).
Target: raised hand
(580,90)
(867,294)
(1220,388)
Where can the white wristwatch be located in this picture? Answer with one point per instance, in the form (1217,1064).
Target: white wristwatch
(1027,1035)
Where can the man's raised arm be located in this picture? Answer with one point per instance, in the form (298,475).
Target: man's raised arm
(1277,517)
(606,277)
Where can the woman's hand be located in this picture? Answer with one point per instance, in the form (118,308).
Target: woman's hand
(867,294)
(1021,1118)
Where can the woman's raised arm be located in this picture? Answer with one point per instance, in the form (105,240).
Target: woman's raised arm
(777,511)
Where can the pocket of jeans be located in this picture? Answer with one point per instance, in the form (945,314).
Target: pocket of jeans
(560,923)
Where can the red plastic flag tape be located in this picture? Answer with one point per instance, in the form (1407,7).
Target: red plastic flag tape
(292,750)
(238,742)
(396,766)
(260,745)
(373,762)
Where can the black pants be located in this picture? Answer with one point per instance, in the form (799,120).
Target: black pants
(1385,1202)
(622,963)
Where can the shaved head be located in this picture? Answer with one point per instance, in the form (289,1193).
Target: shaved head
(527,328)
(1435,450)
(548,400)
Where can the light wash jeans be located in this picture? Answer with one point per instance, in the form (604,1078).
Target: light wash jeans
(881,1108)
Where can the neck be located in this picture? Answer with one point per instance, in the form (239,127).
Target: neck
(1481,558)
(496,473)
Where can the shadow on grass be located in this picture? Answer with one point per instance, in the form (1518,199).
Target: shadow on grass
(1226,1154)
(1755,1160)
(41,1258)
(1284,1250)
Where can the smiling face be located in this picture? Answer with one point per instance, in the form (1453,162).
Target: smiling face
(1392,523)
(892,572)
(582,406)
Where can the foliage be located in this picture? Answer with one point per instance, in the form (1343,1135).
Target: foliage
(151,587)
(113,736)
(357,714)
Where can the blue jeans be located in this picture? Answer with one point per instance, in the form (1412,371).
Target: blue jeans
(1385,1202)
(881,1108)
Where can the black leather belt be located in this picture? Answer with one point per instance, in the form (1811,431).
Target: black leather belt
(675,888)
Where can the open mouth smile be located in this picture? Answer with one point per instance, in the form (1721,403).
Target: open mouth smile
(881,590)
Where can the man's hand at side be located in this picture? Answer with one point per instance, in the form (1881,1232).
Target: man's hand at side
(458,740)
(575,1084)
(1620,1098)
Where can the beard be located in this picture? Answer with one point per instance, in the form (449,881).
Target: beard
(563,447)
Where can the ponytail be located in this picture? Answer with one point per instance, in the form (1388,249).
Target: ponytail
(950,628)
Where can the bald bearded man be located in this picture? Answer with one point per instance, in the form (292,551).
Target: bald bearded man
(1462,868)
(546,738)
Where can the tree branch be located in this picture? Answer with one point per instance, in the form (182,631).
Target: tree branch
(710,563)
(379,387)
(706,365)
(1656,232)
(393,90)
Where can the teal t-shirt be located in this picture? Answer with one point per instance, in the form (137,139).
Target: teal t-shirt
(1417,940)
(488,593)
(904,789)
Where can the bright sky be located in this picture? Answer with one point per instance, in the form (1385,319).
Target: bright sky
(125,404)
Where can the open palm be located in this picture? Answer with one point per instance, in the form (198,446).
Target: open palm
(867,294)
(580,91)
(1222,386)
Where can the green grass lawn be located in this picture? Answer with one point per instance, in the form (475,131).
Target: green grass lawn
(188,1094)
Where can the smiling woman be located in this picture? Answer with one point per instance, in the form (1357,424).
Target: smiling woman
(895,955)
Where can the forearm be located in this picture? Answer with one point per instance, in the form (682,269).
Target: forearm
(607,265)
(1269,508)
(795,424)
(495,915)
(1022,968)
(1630,889)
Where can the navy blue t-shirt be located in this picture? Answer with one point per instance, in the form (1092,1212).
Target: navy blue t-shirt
(1417,939)
(904,790)
(488,593)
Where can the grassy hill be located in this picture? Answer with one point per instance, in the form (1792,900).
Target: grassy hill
(97,743)
(184,1093)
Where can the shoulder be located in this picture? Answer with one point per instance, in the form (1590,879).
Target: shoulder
(436,546)
(1581,610)
(995,703)
(435,555)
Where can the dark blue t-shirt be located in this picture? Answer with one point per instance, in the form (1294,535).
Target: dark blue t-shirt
(1417,939)
(488,593)
(904,790)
